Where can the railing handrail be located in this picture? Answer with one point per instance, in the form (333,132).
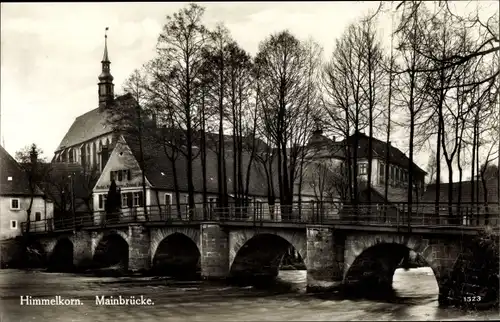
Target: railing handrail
(306,213)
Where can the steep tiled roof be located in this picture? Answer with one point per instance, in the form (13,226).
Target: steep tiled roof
(19,185)
(91,124)
(159,170)
(379,150)
(326,147)
(395,195)
(491,190)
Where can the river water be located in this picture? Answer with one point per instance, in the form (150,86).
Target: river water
(286,300)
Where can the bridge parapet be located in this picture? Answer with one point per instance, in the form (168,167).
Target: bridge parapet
(383,215)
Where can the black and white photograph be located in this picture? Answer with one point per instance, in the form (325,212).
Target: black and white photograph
(250,161)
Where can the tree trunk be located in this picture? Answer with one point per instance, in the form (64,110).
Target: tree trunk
(204,159)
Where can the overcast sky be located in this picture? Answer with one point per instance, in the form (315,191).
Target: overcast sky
(50,53)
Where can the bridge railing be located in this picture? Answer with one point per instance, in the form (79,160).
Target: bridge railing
(396,214)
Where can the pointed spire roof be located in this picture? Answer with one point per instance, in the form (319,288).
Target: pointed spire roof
(105,58)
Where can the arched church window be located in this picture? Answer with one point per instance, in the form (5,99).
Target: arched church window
(83,153)
(94,154)
(88,154)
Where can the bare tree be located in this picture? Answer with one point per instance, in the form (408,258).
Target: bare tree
(410,88)
(182,42)
(168,135)
(283,62)
(486,46)
(238,76)
(136,85)
(344,80)
(372,57)
(33,165)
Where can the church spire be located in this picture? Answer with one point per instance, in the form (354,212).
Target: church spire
(105,79)
(105,58)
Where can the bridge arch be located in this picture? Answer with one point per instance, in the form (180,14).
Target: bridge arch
(160,234)
(111,249)
(176,255)
(260,252)
(371,261)
(60,259)
(97,237)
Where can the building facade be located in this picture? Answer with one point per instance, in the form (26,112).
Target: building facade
(124,169)
(15,199)
(328,159)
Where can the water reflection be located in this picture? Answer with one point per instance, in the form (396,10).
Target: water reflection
(284,299)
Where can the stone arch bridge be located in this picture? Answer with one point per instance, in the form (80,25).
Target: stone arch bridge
(332,254)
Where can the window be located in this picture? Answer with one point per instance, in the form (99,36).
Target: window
(138,199)
(362,168)
(127,199)
(120,175)
(186,199)
(129,175)
(13,224)
(9,178)
(14,204)
(397,175)
(168,199)
(38,216)
(112,175)
(124,200)
(213,202)
(102,201)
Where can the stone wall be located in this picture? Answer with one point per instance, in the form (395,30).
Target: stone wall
(10,253)
(214,251)
(139,245)
(323,258)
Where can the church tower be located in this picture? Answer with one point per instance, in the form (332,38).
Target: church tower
(106,87)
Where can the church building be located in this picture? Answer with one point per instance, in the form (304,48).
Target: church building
(90,139)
